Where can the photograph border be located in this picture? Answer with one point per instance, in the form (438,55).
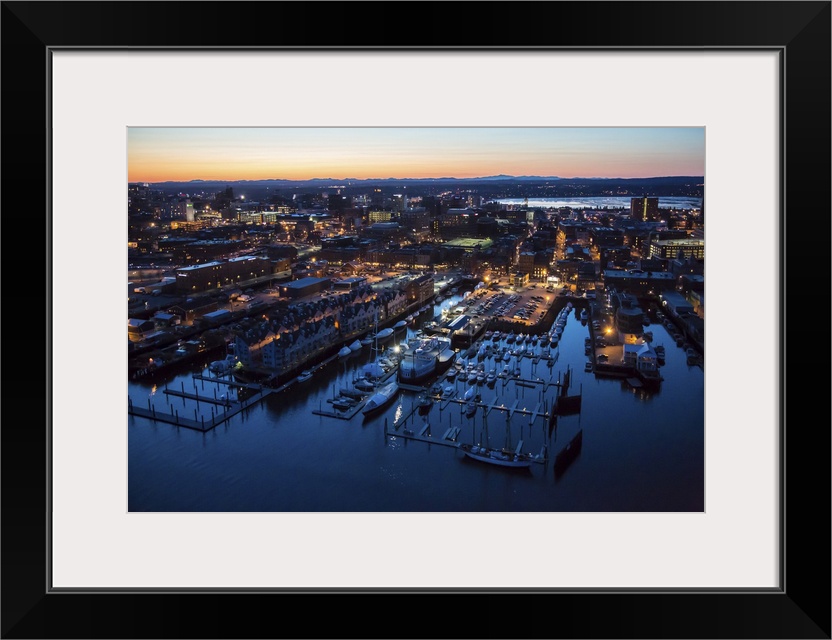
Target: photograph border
(799,31)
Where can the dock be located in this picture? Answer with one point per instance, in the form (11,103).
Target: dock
(350,413)
(513,409)
(448,438)
(230,383)
(197,423)
(452,434)
(195,396)
(411,387)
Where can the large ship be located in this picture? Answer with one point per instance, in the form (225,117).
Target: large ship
(425,358)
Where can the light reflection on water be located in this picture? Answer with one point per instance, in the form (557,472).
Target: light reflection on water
(640,451)
(665,202)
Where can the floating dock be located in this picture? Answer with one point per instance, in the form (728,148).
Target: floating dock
(197,423)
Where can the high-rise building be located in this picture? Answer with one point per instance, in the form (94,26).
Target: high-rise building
(377,198)
(644,209)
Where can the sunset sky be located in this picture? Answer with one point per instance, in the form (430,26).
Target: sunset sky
(181,154)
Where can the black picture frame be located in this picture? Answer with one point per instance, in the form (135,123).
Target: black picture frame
(800,608)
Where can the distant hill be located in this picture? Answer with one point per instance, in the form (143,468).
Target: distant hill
(587,186)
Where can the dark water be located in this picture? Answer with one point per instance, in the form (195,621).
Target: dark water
(639,452)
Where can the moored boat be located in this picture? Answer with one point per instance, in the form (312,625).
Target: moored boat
(364,384)
(425,358)
(499,457)
(351,393)
(343,403)
(223,366)
(384,396)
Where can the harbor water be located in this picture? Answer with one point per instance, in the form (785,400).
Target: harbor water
(626,449)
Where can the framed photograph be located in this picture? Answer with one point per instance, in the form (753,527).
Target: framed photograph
(471,166)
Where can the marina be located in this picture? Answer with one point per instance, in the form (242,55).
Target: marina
(538,401)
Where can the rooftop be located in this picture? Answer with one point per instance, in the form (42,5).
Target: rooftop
(199,266)
(469,243)
(681,242)
(304,282)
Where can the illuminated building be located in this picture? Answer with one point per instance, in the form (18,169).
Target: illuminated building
(645,209)
(669,249)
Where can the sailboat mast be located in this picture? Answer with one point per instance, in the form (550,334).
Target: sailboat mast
(375,333)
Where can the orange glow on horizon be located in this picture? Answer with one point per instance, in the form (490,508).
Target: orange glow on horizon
(159,155)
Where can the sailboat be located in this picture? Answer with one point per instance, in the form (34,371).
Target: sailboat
(504,457)
(376,358)
(500,457)
(381,399)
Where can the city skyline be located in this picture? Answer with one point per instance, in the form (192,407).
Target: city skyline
(158,154)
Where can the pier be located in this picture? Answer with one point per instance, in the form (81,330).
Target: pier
(350,413)
(511,411)
(448,438)
(230,383)
(197,423)
(407,425)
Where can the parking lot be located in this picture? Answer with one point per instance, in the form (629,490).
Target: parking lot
(527,304)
